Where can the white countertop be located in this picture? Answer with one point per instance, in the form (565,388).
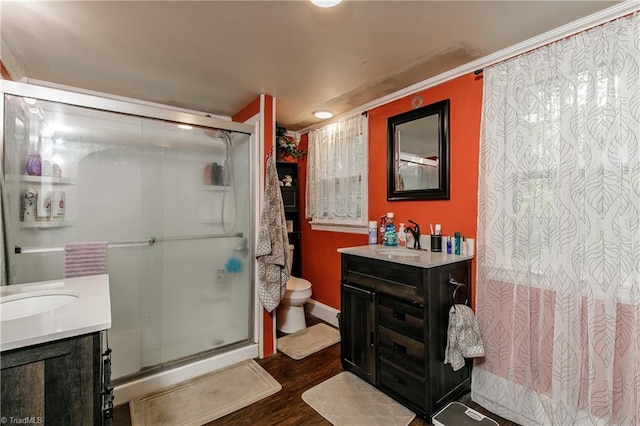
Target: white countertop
(90,313)
(405,256)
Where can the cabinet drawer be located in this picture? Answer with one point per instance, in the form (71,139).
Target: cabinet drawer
(402,281)
(401,349)
(405,384)
(402,317)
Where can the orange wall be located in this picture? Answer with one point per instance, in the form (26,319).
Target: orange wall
(321,262)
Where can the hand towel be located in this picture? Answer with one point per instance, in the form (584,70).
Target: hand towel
(463,337)
(82,259)
(273,243)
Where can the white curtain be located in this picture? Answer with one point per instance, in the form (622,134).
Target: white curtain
(558,278)
(337,172)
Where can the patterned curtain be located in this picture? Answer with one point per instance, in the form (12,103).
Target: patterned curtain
(337,172)
(558,279)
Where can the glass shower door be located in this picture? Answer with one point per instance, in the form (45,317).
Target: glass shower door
(177,231)
(204,206)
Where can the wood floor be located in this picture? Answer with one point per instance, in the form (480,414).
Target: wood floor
(287,407)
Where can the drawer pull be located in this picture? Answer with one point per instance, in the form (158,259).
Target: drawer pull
(399,348)
(399,316)
(372,338)
(399,380)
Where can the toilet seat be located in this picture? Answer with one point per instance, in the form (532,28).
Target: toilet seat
(298,284)
(297,292)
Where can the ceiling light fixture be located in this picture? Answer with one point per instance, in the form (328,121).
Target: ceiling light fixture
(323,113)
(185,126)
(326,3)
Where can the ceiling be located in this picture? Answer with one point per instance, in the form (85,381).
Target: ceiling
(217,56)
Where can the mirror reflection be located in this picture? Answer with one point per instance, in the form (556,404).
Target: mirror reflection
(417,154)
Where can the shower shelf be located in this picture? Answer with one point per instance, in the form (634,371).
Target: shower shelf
(47,224)
(48,180)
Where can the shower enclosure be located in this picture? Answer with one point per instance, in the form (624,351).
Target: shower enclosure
(173,201)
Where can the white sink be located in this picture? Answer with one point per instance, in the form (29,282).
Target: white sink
(398,252)
(33,303)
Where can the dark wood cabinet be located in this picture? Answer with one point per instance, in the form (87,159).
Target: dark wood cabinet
(394,320)
(291,201)
(55,383)
(358,342)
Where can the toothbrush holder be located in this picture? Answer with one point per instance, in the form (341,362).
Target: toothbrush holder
(436,243)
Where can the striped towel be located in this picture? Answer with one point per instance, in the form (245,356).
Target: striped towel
(82,259)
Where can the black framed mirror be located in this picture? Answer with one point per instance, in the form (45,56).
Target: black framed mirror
(418,154)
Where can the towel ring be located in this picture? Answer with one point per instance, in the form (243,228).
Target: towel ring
(452,281)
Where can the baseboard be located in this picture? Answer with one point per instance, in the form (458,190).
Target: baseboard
(325,312)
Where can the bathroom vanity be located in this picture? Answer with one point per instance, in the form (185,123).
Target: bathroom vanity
(53,369)
(394,317)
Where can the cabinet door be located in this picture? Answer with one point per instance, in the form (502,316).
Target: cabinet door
(357,327)
(54,383)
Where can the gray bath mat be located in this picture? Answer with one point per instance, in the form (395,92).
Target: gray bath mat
(308,341)
(205,398)
(346,400)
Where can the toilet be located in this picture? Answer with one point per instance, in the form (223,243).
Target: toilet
(290,317)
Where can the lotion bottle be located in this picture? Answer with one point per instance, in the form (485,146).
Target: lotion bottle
(402,236)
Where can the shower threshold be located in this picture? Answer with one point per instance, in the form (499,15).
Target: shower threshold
(170,365)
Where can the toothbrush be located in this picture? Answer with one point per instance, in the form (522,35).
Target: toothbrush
(431,226)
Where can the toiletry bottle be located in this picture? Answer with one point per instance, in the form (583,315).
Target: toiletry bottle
(470,246)
(463,249)
(58,201)
(29,198)
(402,236)
(449,249)
(373,232)
(207,174)
(457,243)
(43,205)
(390,236)
(383,220)
(34,164)
(56,171)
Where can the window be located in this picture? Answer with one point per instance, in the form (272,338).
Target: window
(337,175)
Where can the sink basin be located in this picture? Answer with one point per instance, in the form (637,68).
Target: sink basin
(398,252)
(34,303)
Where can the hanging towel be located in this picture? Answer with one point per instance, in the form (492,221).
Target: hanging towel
(82,259)
(273,243)
(463,337)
